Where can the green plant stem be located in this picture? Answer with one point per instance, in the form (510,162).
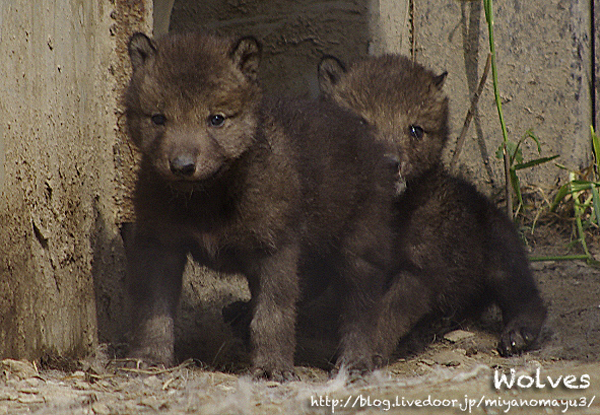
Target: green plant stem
(557,258)
(489,17)
(489,13)
(578,212)
(596,151)
(580,232)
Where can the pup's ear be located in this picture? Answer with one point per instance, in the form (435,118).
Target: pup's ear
(330,71)
(141,47)
(440,79)
(246,55)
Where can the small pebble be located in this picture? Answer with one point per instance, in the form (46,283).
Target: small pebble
(29,399)
(452,363)
(100,409)
(152,382)
(458,335)
(19,368)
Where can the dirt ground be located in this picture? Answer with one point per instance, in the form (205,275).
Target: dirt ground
(456,371)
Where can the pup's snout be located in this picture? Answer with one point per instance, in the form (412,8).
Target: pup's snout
(184,166)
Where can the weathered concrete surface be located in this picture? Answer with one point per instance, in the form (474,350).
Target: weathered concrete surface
(162,16)
(596,50)
(295,34)
(544,67)
(128,17)
(390,26)
(59,243)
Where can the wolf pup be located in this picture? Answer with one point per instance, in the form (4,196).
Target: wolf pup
(252,185)
(456,252)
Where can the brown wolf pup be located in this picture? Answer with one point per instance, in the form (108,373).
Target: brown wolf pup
(455,251)
(252,185)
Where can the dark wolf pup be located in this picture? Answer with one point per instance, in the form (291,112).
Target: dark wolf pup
(252,185)
(455,252)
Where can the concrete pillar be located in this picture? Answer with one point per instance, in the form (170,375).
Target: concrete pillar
(596,62)
(390,29)
(162,16)
(60,249)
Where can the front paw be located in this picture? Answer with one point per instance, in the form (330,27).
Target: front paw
(514,341)
(522,331)
(277,375)
(145,357)
(153,341)
(357,367)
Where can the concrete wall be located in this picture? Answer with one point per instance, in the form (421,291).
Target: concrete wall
(544,66)
(59,241)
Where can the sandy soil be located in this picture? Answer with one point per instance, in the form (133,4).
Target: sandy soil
(455,373)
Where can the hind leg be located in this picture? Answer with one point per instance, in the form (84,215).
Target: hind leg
(404,304)
(358,298)
(523,311)
(515,291)
(364,263)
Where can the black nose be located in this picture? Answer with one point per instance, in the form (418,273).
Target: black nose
(183,166)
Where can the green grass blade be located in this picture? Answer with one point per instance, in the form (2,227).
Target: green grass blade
(578,211)
(581,232)
(582,185)
(514,179)
(516,185)
(517,153)
(535,162)
(557,258)
(560,195)
(596,148)
(530,134)
(596,203)
(585,182)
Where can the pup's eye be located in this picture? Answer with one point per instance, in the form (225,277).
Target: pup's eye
(416,131)
(158,119)
(216,120)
